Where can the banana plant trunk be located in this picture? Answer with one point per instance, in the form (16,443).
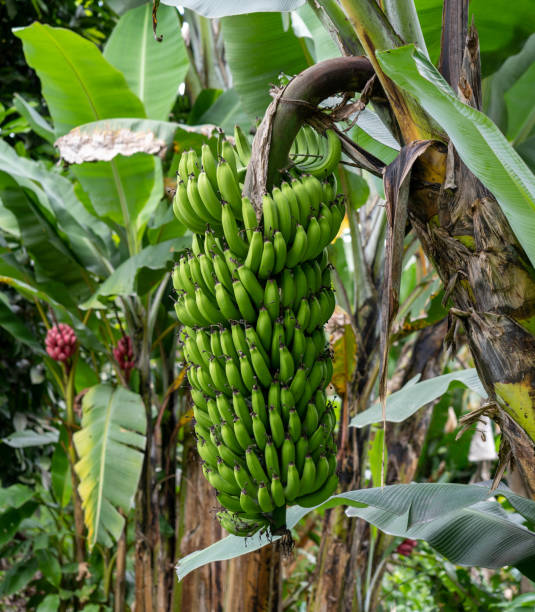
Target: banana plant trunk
(486,273)
(203,589)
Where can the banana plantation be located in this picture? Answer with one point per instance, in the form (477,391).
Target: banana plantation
(267,306)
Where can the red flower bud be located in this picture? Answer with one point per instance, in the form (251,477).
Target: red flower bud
(124,355)
(60,342)
(406,547)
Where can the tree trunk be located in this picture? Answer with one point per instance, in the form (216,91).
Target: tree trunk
(204,588)
(488,278)
(255,581)
(340,554)
(166,496)
(405,439)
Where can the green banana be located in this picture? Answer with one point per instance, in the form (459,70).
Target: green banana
(272,299)
(271,220)
(255,467)
(241,411)
(255,251)
(299,246)
(276,426)
(291,490)
(259,431)
(251,284)
(287,454)
(317,498)
(264,327)
(253,295)
(245,305)
(280,252)
(264,498)
(267,261)
(277,491)
(243,148)
(225,303)
(231,231)
(249,217)
(228,186)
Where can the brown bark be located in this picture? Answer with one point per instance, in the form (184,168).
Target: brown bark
(203,589)
(79,527)
(255,582)
(119,590)
(146,514)
(166,496)
(340,556)
(405,439)
(488,278)
(343,547)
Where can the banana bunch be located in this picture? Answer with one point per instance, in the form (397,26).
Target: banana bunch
(253,299)
(314,154)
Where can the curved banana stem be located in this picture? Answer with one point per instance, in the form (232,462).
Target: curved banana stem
(289,110)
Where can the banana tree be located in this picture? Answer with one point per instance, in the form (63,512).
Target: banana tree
(119,198)
(465,191)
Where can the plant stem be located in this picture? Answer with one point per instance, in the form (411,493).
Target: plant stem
(404,19)
(296,103)
(376,34)
(71,453)
(334,20)
(119,590)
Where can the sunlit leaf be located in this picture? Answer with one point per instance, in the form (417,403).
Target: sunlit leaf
(221,8)
(455,519)
(480,144)
(414,395)
(142,65)
(110,445)
(80,86)
(269,49)
(140,272)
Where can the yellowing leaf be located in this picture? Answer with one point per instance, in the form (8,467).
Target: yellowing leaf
(345,353)
(519,403)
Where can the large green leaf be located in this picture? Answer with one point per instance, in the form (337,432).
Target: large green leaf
(502,29)
(110,445)
(502,80)
(17,577)
(140,272)
(88,238)
(60,471)
(456,519)
(38,123)
(153,70)
(324,45)
(80,86)
(18,328)
(221,8)
(372,134)
(405,402)
(15,496)
(482,534)
(20,278)
(122,188)
(268,49)
(520,112)
(122,6)
(28,437)
(481,145)
(226,112)
(53,258)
